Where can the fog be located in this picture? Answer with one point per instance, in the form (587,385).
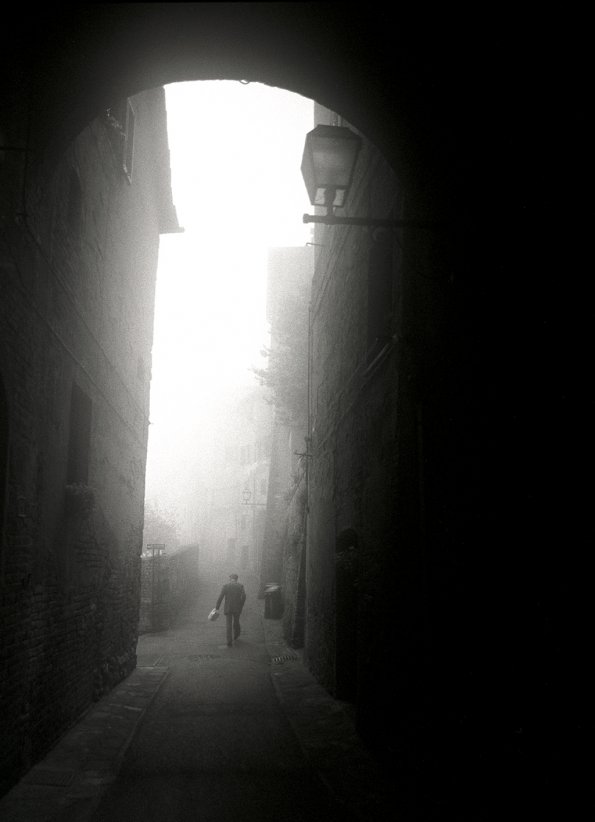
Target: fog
(235,152)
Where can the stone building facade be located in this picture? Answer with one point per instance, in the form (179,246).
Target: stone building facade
(78,254)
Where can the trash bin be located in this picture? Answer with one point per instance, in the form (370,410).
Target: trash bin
(273,602)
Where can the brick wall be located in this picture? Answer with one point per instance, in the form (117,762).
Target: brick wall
(391,468)
(183,577)
(293,579)
(169,583)
(78,287)
(154,614)
(364,472)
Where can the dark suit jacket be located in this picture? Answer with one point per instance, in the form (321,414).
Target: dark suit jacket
(234,595)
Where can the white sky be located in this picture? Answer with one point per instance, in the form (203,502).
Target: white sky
(235,153)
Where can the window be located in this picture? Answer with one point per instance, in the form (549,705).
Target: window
(79,438)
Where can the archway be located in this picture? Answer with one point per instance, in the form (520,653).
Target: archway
(306,48)
(86,57)
(466,121)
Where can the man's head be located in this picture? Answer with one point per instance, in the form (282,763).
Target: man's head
(233,577)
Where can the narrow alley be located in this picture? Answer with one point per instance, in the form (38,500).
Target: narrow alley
(352,255)
(203,731)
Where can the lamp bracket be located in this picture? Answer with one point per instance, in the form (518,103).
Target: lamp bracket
(331,219)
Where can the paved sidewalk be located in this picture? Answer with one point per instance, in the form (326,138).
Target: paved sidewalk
(202,731)
(68,783)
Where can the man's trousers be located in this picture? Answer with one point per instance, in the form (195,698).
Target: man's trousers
(232,619)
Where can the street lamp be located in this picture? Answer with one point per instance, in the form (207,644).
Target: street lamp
(330,153)
(328,163)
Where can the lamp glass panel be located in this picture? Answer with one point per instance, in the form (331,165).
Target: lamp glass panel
(338,200)
(330,153)
(333,161)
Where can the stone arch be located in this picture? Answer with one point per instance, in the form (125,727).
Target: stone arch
(87,57)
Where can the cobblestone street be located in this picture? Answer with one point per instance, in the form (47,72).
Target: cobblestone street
(203,731)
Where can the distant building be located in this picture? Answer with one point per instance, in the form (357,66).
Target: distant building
(78,252)
(238,483)
(290,272)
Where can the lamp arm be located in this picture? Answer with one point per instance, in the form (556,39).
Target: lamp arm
(331,219)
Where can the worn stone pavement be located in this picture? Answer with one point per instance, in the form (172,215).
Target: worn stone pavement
(200,731)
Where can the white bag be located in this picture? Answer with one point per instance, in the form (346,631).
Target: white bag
(213,615)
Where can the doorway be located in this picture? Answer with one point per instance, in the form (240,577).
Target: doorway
(346,615)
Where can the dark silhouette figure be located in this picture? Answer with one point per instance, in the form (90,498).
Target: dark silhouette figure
(235,596)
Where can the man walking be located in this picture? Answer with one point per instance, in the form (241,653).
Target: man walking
(234,594)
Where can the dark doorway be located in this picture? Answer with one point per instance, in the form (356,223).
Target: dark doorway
(346,562)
